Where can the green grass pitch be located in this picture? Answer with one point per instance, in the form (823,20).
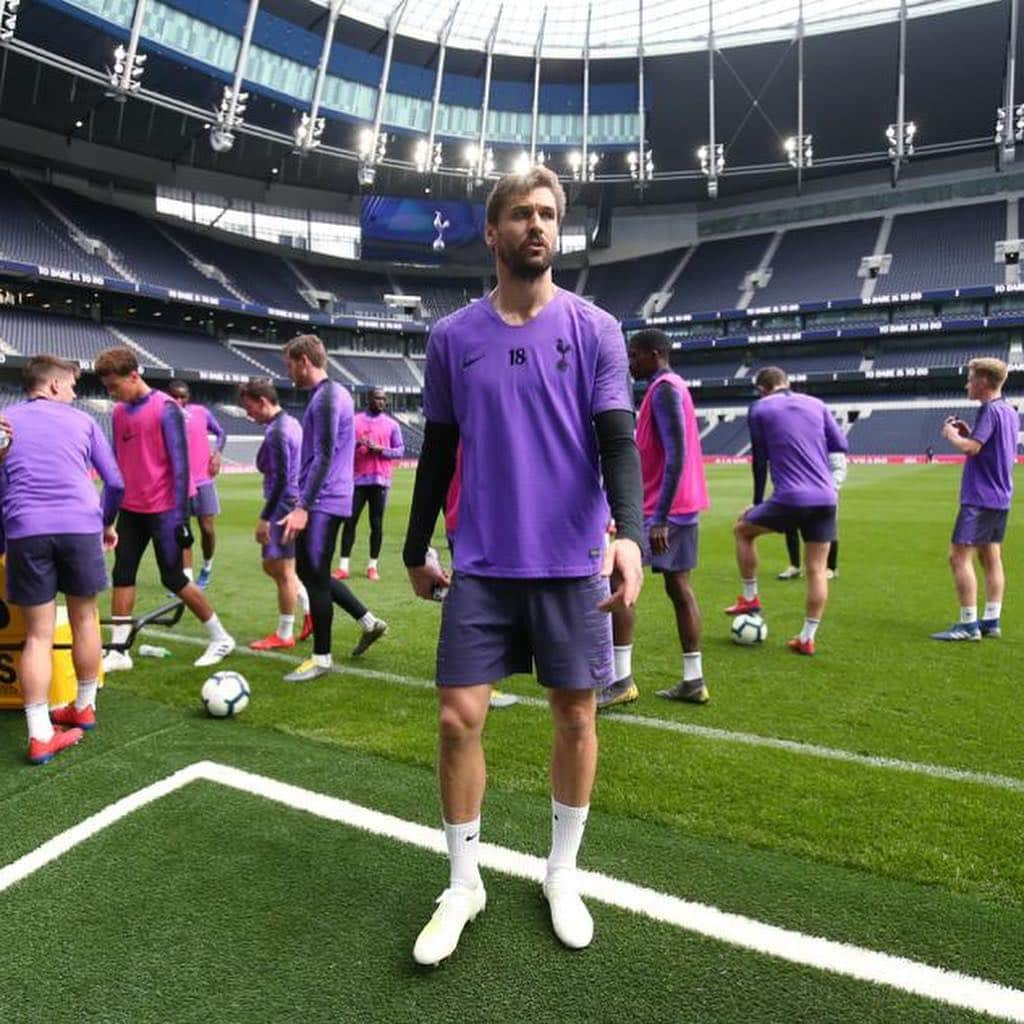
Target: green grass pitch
(216,905)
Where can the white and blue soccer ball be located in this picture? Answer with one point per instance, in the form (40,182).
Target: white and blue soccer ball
(748,629)
(225,694)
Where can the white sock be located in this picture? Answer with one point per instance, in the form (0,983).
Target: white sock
(119,633)
(343,564)
(368,621)
(208,566)
(623,657)
(285,624)
(810,628)
(37,717)
(567,825)
(993,609)
(86,697)
(303,599)
(188,573)
(214,630)
(968,614)
(463,852)
(323,660)
(749,589)
(692,667)
(372,563)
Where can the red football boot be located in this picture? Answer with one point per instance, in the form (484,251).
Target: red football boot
(70,717)
(745,607)
(272,642)
(40,753)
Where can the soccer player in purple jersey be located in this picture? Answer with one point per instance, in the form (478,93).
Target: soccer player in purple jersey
(278,460)
(533,381)
(152,454)
(793,434)
(57,529)
(675,493)
(986,492)
(324,502)
(379,445)
(204,503)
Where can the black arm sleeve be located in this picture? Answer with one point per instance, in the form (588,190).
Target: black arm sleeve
(759,466)
(433,477)
(620,467)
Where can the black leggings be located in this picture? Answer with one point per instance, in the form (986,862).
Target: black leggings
(313,551)
(793,547)
(376,497)
(134,532)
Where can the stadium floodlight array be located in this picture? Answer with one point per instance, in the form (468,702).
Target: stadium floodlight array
(710,170)
(523,163)
(580,172)
(126,74)
(372,147)
(427,158)
(641,164)
(229,117)
(800,150)
(1018,125)
(8,19)
(892,137)
(479,163)
(309,133)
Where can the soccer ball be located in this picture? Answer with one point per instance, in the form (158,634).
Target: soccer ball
(225,694)
(748,629)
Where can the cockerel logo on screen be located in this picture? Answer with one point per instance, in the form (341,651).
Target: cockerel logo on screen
(441,224)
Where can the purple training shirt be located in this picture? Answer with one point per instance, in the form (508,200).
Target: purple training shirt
(46,482)
(988,476)
(524,398)
(278,461)
(794,433)
(328,447)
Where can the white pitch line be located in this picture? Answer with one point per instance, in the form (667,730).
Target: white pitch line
(749,739)
(933,983)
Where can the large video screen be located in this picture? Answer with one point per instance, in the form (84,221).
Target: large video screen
(422,230)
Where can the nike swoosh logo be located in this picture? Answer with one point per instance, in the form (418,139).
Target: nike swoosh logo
(470,360)
(470,839)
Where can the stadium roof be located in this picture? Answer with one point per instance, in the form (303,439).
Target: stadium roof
(669,26)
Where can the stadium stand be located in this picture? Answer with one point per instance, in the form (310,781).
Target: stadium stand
(819,263)
(621,288)
(945,248)
(30,233)
(234,420)
(693,369)
(714,275)
(378,371)
(729,437)
(441,296)
(824,362)
(271,358)
(901,355)
(357,291)
(136,241)
(192,351)
(28,332)
(900,431)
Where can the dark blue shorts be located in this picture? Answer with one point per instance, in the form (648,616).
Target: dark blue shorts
(816,524)
(976,525)
(492,628)
(681,555)
(205,501)
(277,547)
(39,567)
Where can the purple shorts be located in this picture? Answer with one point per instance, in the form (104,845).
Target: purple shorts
(39,567)
(205,501)
(494,627)
(816,524)
(976,525)
(277,547)
(681,555)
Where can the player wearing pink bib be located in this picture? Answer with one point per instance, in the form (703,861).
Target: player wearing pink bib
(675,493)
(204,504)
(152,454)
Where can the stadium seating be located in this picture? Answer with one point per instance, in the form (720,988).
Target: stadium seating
(901,431)
(232,419)
(622,287)
(379,371)
(714,274)
(271,358)
(824,362)
(136,241)
(693,369)
(727,438)
(30,233)
(901,355)
(442,296)
(819,263)
(945,248)
(192,352)
(32,333)
(357,292)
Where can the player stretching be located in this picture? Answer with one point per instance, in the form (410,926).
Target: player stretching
(203,466)
(534,381)
(793,434)
(675,492)
(278,461)
(378,444)
(56,531)
(986,492)
(152,453)
(325,499)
